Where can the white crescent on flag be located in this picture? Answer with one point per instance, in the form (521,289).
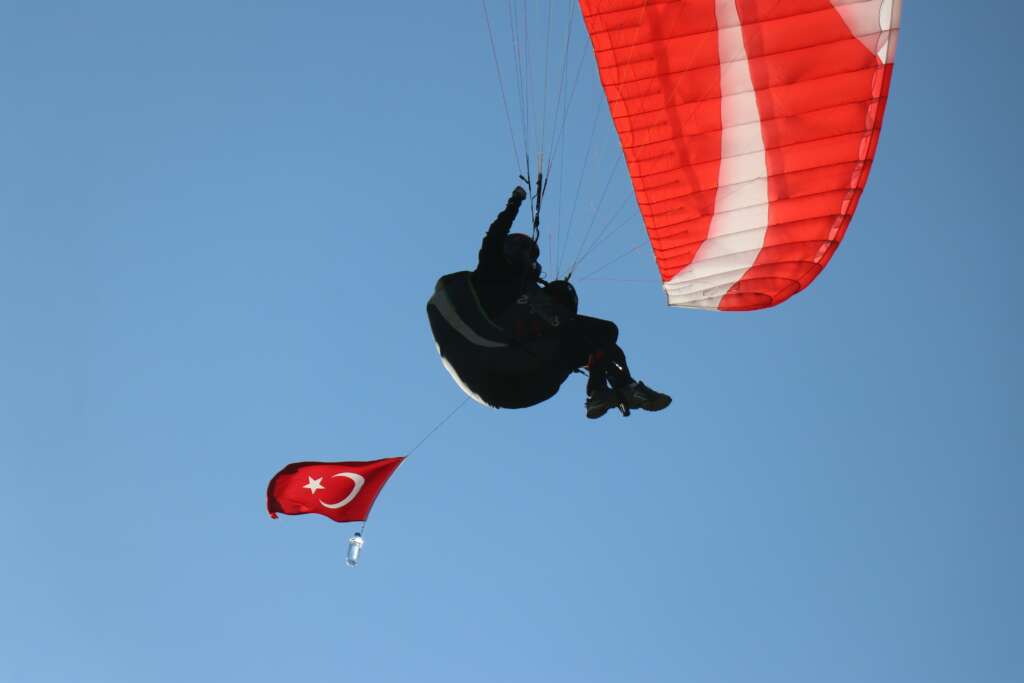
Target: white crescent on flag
(357,481)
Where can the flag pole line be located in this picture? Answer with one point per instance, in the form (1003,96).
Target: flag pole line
(438,426)
(424,440)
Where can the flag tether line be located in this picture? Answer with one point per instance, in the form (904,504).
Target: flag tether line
(424,440)
(438,426)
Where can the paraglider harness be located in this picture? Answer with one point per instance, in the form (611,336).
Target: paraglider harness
(511,362)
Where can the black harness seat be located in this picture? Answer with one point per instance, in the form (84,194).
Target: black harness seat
(489,363)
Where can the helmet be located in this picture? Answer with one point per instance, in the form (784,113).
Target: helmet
(522,251)
(563,293)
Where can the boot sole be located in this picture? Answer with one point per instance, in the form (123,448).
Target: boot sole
(655,406)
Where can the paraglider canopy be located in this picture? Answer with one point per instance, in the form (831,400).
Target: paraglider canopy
(749,128)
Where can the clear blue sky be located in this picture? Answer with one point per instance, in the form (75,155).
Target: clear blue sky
(219,225)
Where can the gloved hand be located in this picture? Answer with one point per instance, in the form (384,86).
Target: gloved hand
(518,194)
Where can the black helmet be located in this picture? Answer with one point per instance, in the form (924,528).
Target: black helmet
(521,250)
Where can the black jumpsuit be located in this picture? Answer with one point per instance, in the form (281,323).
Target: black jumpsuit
(583,341)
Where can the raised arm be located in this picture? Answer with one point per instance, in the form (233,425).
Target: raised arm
(492,249)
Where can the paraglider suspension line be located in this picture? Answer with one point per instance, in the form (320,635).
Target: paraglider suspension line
(536,192)
(541,184)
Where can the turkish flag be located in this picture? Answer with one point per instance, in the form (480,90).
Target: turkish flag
(343,491)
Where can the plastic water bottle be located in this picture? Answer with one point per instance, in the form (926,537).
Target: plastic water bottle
(355,544)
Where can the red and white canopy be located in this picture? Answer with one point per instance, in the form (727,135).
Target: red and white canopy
(749,128)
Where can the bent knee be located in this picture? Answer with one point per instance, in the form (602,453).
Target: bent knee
(606,333)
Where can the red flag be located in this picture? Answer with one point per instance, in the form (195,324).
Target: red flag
(343,491)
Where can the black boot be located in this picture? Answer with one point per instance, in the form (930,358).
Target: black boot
(639,395)
(600,402)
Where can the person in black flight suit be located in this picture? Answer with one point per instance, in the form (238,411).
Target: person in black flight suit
(507,277)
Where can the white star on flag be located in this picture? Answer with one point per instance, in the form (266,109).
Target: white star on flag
(314,484)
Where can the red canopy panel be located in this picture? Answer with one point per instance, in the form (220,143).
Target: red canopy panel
(749,128)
